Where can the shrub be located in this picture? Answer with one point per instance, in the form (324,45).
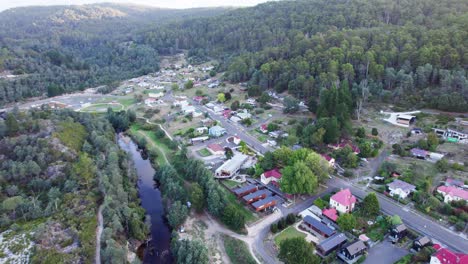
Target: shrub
(274,228)
(290,219)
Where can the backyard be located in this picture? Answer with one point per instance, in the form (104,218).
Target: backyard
(290,232)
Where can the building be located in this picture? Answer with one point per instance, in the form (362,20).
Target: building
(188,109)
(330,160)
(398,232)
(352,251)
(150,101)
(400,188)
(242,191)
(421,242)
(251,101)
(309,223)
(331,214)
(344,144)
(332,243)
(405,120)
(343,201)
(313,211)
(198,139)
(445,256)
(452,193)
(258,195)
(244,115)
(216,131)
(227,113)
(264,128)
(156,95)
(216,149)
(452,135)
(201,130)
(235,139)
(419,153)
(231,167)
(454,182)
(264,204)
(271,175)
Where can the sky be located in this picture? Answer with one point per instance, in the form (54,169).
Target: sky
(5,4)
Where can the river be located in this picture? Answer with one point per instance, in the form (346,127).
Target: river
(158,249)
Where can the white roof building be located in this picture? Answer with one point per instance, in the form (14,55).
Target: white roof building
(230,167)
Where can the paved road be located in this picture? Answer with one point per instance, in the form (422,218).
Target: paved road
(414,220)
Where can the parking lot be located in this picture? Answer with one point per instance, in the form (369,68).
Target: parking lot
(385,253)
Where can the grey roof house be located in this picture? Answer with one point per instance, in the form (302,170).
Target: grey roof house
(400,188)
(330,244)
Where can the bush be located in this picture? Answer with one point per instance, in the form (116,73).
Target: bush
(460,225)
(290,219)
(375,132)
(320,203)
(348,174)
(274,228)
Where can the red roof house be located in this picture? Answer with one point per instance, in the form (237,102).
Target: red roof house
(331,161)
(227,113)
(273,175)
(445,256)
(264,128)
(452,193)
(331,214)
(216,149)
(343,201)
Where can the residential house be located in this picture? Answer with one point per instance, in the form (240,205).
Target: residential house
(198,139)
(452,193)
(264,204)
(244,190)
(150,101)
(330,213)
(331,244)
(419,153)
(421,242)
(201,130)
(310,223)
(251,102)
(445,256)
(264,128)
(216,131)
(235,139)
(454,182)
(400,188)
(343,201)
(272,142)
(258,195)
(398,232)
(198,99)
(156,95)
(188,109)
(227,113)
(180,103)
(312,211)
(352,251)
(208,122)
(216,149)
(210,105)
(197,113)
(244,115)
(218,109)
(416,131)
(231,167)
(273,175)
(274,134)
(405,120)
(344,144)
(235,119)
(330,160)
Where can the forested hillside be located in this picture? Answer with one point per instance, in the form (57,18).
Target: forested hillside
(56,168)
(410,52)
(66,48)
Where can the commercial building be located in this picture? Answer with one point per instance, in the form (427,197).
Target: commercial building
(244,190)
(231,167)
(309,223)
(264,204)
(258,195)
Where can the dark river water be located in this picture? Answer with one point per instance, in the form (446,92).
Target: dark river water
(158,247)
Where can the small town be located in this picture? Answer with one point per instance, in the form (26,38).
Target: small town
(396,189)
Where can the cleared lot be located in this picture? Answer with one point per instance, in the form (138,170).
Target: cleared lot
(385,253)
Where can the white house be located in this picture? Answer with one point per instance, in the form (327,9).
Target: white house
(201,130)
(180,103)
(156,95)
(231,167)
(452,193)
(271,176)
(343,201)
(188,109)
(244,115)
(150,101)
(400,188)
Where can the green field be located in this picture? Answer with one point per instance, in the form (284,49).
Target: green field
(290,232)
(204,152)
(126,102)
(249,216)
(136,130)
(230,184)
(237,251)
(101,108)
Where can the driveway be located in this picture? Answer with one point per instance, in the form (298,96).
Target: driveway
(385,253)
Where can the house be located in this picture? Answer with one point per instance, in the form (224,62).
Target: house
(227,113)
(264,203)
(452,193)
(218,109)
(272,142)
(244,190)
(197,113)
(264,128)
(445,256)
(180,103)
(330,160)
(398,232)
(235,119)
(405,120)
(352,251)
(344,144)
(419,153)
(156,95)
(216,131)
(188,109)
(331,214)
(309,223)
(253,197)
(251,102)
(150,101)
(421,242)
(210,105)
(230,167)
(201,130)
(208,122)
(313,211)
(343,201)
(198,99)
(235,139)
(332,243)
(198,139)
(400,188)
(274,134)
(454,182)
(271,175)
(244,115)
(416,131)
(216,149)
(452,135)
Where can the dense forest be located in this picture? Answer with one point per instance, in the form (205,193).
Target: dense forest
(52,50)
(408,52)
(55,170)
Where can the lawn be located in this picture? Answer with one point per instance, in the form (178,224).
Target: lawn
(204,152)
(230,184)
(161,147)
(237,251)
(249,216)
(290,232)
(126,102)
(101,108)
